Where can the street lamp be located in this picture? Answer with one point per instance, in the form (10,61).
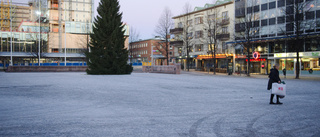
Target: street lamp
(11,63)
(39,13)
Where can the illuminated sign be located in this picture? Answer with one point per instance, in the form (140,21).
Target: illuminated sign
(255,55)
(301,54)
(252,60)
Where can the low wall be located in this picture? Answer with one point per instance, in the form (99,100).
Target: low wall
(46,69)
(171,69)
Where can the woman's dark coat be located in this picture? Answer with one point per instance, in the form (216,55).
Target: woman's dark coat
(274,77)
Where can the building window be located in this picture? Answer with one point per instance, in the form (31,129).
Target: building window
(180,25)
(199,20)
(180,51)
(289,27)
(289,2)
(272,5)
(225,15)
(224,30)
(190,35)
(318,14)
(264,22)
(170,53)
(199,47)
(189,22)
(211,17)
(256,23)
(264,7)
(249,10)
(199,34)
(280,20)
(310,15)
(256,8)
(281,3)
(272,21)
(289,10)
(170,47)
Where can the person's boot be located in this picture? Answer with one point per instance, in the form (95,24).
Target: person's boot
(278,102)
(271,99)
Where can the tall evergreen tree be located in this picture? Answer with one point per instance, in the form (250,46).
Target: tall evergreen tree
(107,53)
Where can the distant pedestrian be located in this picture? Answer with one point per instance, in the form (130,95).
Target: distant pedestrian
(274,78)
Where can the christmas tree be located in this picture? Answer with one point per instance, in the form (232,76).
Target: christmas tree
(107,53)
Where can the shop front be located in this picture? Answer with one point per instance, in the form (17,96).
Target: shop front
(224,63)
(309,62)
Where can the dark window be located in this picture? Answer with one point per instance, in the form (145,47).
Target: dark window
(264,7)
(281,3)
(289,27)
(240,12)
(299,1)
(310,15)
(249,10)
(290,18)
(256,24)
(299,16)
(289,10)
(318,14)
(264,22)
(289,2)
(272,21)
(256,9)
(280,20)
(272,5)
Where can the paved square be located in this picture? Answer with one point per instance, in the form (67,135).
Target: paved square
(142,104)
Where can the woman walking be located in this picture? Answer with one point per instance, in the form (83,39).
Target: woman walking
(274,78)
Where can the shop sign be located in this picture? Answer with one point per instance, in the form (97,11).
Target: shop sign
(255,55)
(301,54)
(241,56)
(256,60)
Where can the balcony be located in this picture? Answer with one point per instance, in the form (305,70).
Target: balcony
(225,21)
(223,36)
(176,30)
(176,42)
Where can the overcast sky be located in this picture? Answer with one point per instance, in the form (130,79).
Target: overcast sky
(143,15)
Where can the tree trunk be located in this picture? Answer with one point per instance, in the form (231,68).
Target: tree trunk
(297,65)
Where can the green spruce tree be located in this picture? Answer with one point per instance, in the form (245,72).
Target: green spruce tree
(107,53)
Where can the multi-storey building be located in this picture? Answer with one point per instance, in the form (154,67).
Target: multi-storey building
(62,26)
(193,29)
(272,20)
(150,52)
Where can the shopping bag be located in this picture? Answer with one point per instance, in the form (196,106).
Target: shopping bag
(278,89)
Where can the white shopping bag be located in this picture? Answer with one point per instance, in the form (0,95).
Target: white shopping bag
(278,89)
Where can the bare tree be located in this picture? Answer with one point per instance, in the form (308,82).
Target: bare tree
(212,26)
(247,29)
(298,27)
(187,33)
(133,36)
(165,23)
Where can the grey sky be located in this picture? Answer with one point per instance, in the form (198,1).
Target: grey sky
(143,15)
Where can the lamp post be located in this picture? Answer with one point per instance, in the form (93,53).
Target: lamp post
(65,36)
(39,33)
(11,61)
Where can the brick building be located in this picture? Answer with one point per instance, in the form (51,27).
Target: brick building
(150,51)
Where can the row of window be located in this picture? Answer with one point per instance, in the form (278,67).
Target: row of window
(142,45)
(141,52)
(199,34)
(199,20)
(272,21)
